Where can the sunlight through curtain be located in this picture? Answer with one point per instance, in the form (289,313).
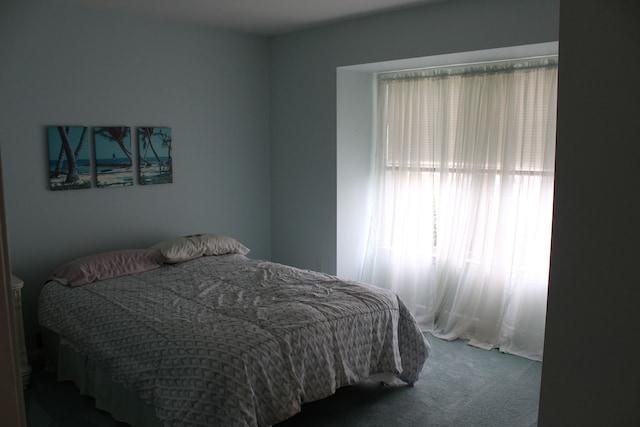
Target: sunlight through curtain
(463,194)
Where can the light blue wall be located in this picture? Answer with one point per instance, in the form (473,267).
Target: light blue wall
(303,100)
(254,121)
(73,65)
(354,161)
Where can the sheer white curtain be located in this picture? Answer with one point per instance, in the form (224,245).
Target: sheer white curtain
(463,193)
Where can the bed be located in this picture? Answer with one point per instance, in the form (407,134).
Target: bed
(192,332)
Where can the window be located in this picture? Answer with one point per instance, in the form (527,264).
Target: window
(463,191)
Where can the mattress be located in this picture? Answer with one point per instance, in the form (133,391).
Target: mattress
(232,341)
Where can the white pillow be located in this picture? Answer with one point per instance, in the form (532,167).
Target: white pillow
(185,248)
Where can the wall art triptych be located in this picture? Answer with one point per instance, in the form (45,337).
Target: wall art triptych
(70,156)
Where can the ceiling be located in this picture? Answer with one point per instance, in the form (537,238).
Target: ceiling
(261,17)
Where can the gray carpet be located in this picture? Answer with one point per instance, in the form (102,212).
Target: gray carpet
(460,386)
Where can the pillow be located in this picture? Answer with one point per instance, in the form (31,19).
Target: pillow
(186,248)
(106,266)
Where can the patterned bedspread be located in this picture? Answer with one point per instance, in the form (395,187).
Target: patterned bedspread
(231,341)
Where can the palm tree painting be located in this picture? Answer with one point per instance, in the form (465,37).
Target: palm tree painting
(155,155)
(69,164)
(113,156)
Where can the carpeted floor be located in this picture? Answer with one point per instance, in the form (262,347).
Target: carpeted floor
(460,386)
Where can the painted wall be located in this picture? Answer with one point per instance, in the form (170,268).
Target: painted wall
(303,100)
(355,121)
(591,373)
(73,65)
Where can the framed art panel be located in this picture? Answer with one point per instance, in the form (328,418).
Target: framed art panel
(113,158)
(69,164)
(156,166)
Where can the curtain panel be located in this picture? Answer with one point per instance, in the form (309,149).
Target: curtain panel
(463,196)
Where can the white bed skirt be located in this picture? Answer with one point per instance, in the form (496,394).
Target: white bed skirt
(92,381)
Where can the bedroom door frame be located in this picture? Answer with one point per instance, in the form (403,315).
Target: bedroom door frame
(11,391)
